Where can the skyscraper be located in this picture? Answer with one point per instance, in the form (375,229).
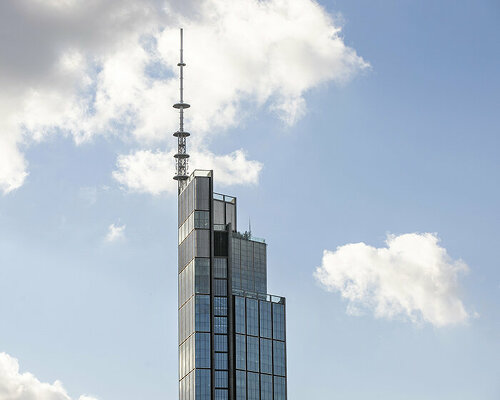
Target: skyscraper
(232,336)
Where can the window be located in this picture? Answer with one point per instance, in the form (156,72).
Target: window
(279,358)
(220,306)
(186,357)
(279,388)
(219,212)
(202,313)
(278,321)
(266,328)
(202,350)
(239,303)
(241,361)
(202,220)
(202,384)
(253,386)
(220,342)
(186,313)
(220,324)
(266,356)
(220,267)
(253,353)
(221,394)
(186,387)
(202,243)
(220,244)
(221,379)
(202,275)
(220,287)
(266,387)
(202,193)
(252,317)
(241,385)
(186,283)
(220,360)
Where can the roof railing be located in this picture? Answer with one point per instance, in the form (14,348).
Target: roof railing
(259,296)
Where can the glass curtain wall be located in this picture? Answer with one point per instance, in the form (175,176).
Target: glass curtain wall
(195,290)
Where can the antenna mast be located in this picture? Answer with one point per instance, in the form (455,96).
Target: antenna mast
(181,158)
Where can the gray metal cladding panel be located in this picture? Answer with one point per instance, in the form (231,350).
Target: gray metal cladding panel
(186,203)
(203,194)
(231,215)
(202,243)
(219,212)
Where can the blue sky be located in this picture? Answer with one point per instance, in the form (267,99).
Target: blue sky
(400,137)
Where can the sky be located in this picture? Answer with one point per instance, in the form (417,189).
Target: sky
(360,138)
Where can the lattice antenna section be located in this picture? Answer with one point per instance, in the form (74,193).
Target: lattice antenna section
(181,158)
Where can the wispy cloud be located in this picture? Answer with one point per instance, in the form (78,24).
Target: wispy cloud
(151,172)
(412,277)
(115,233)
(15,385)
(109,68)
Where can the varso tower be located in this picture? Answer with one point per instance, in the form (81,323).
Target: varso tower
(232,336)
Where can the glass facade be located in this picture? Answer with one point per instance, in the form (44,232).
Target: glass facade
(232,334)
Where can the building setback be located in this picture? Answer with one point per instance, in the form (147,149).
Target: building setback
(232,334)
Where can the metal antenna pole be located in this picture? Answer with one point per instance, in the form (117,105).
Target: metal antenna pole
(181,158)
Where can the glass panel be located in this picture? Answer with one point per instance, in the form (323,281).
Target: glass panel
(203,195)
(202,350)
(202,384)
(220,306)
(221,244)
(266,329)
(220,287)
(253,386)
(219,212)
(266,387)
(220,324)
(278,321)
(252,317)
(266,356)
(202,275)
(241,352)
(259,264)
(202,220)
(235,262)
(186,320)
(221,379)
(239,303)
(279,357)
(253,353)
(220,267)
(241,385)
(186,283)
(221,394)
(279,388)
(231,215)
(220,360)
(202,243)
(202,314)
(220,342)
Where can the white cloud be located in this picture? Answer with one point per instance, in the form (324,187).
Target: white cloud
(115,232)
(412,277)
(151,172)
(109,68)
(25,386)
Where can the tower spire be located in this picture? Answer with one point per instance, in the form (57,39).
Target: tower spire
(181,158)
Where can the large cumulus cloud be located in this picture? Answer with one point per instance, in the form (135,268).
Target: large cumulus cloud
(106,67)
(15,385)
(413,277)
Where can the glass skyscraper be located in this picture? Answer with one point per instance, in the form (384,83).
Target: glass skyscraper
(232,336)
